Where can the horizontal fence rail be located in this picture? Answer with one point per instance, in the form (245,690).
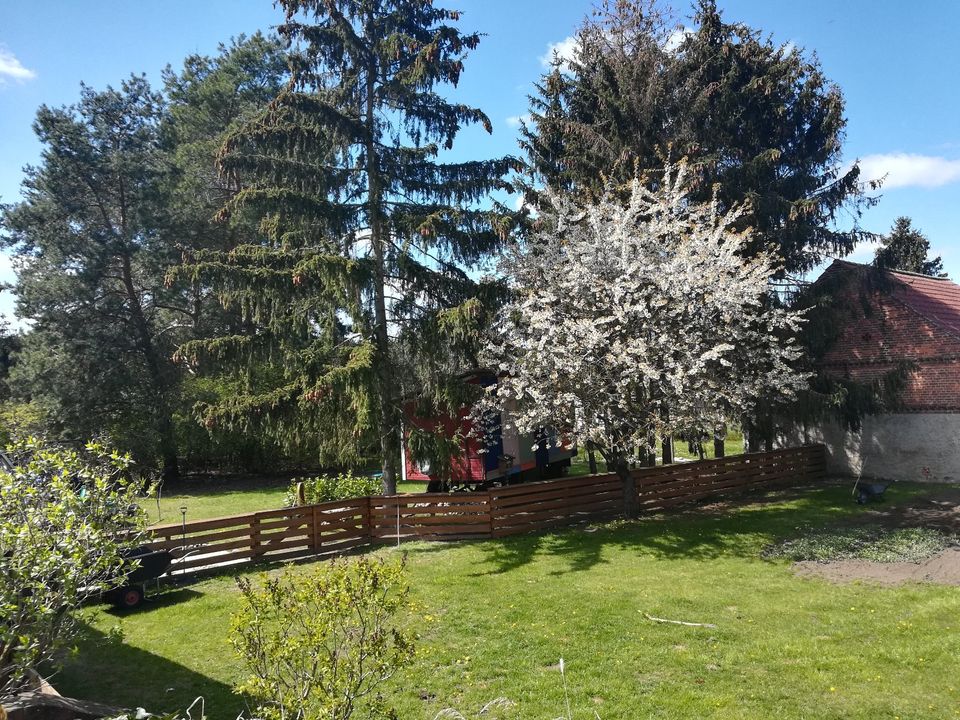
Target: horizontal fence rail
(333,528)
(671,485)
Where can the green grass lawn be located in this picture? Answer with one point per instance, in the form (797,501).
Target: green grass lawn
(497,616)
(733,445)
(205,499)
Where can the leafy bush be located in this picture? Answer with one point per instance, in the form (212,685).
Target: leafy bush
(65,519)
(327,488)
(20,420)
(877,544)
(319,644)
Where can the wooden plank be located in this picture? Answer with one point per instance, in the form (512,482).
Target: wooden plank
(202,525)
(346,546)
(327,526)
(335,537)
(534,517)
(535,487)
(426,521)
(519,500)
(432,530)
(425,515)
(552,499)
(429,500)
(211,561)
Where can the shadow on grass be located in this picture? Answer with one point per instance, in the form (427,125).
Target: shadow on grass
(740,527)
(157,600)
(106,669)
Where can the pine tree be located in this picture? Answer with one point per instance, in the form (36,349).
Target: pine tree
(368,235)
(906,248)
(91,271)
(758,121)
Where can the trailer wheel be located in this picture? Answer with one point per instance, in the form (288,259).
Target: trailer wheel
(130,597)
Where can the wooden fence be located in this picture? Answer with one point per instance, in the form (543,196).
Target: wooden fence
(333,528)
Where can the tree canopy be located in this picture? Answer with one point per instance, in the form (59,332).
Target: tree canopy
(91,269)
(759,122)
(367,234)
(907,248)
(637,317)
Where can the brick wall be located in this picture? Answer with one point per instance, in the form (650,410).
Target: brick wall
(879,333)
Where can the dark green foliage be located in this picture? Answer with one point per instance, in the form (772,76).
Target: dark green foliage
(367,235)
(223,449)
(128,186)
(10,344)
(91,276)
(759,121)
(906,248)
(842,297)
(850,400)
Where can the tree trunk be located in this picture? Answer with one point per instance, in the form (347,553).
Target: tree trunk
(650,452)
(592,458)
(387,422)
(753,436)
(164,424)
(666,442)
(719,441)
(631,502)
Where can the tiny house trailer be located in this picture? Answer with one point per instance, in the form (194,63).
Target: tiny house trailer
(509,459)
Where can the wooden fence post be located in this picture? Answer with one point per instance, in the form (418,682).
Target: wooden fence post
(315,529)
(256,550)
(489,506)
(366,518)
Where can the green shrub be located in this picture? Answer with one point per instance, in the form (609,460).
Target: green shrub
(319,644)
(65,519)
(327,488)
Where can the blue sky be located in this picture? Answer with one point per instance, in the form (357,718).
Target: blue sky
(897,63)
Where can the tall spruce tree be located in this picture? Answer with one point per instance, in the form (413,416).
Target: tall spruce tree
(368,235)
(907,248)
(759,121)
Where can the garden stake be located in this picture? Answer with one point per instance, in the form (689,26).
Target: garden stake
(183,525)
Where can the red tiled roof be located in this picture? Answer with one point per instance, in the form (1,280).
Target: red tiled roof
(936,299)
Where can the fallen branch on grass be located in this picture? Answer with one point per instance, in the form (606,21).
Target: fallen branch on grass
(678,622)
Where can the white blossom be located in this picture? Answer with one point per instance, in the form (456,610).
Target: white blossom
(638,316)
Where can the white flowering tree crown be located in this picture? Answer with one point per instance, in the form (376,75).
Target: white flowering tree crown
(635,316)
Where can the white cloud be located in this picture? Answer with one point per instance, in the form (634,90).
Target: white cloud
(520,203)
(676,37)
(11,68)
(566,50)
(909,170)
(515,121)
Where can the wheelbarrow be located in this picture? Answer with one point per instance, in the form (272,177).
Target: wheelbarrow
(152,564)
(866,492)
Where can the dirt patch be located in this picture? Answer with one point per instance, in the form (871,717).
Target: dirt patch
(938,509)
(942,569)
